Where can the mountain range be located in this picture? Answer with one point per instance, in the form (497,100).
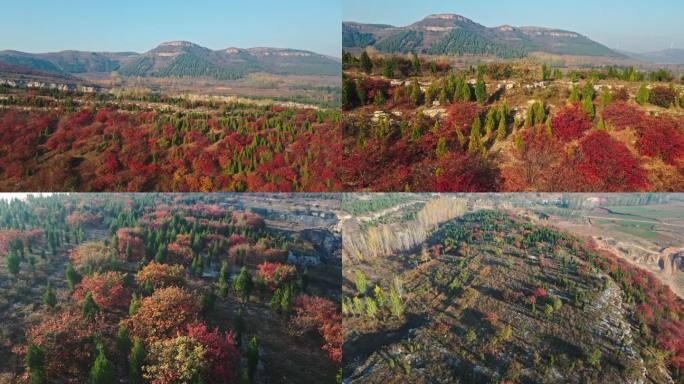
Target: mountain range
(179,59)
(454,34)
(666,56)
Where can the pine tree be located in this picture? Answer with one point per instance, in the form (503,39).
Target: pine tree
(388,68)
(13,263)
(243,284)
(252,358)
(136,359)
(416,94)
(475,141)
(501,131)
(601,124)
(606,97)
(160,256)
(588,107)
(72,277)
(415,64)
(549,128)
(35,362)
(443,100)
(49,297)
(366,63)
(89,307)
(102,371)
(490,121)
(129,251)
(574,95)
(238,326)
(223,280)
(642,95)
(441,149)
(123,341)
(480,90)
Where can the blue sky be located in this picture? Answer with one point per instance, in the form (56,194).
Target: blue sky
(140,25)
(634,25)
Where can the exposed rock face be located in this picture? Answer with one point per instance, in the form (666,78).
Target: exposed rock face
(671,261)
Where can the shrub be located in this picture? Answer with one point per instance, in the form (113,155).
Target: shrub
(570,123)
(606,164)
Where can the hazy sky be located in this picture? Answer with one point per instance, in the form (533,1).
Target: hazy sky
(634,25)
(140,25)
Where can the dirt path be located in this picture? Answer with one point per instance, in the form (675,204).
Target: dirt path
(633,220)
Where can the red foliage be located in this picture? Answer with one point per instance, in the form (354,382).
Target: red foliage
(540,164)
(107,289)
(164,314)
(66,339)
(131,237)
(660,137)
(236,239)
(83,218)
(11,236)
(142,151)
(570,123)
(621,115)
(312,311)
(539,292)
(221,354)
(607,165)
(276,275)
(491,317)
(161,275)
(461,115)
(247,220)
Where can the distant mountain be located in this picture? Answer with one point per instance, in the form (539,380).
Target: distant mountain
(458,35)
(666,56)
(180,59)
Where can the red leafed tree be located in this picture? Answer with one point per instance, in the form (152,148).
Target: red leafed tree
(491,317)
(164,314)
(539,292)
(236,239)
(130,237)
(276,274)
(606,164)
(322,314)
(570,123)
(161,275)
(221,354)
(659,137)
(66,339)
(83,218)
(107,289)
(11,236)
(539,164)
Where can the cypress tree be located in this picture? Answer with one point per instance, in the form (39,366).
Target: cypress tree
(252,358)
(123,341)
(49,297)
(480,90)
(35,362)
(642,95)
(135,363)
(501,131)
(102,371)
(89,307)
(366,62)
(475,141)
(243,284)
